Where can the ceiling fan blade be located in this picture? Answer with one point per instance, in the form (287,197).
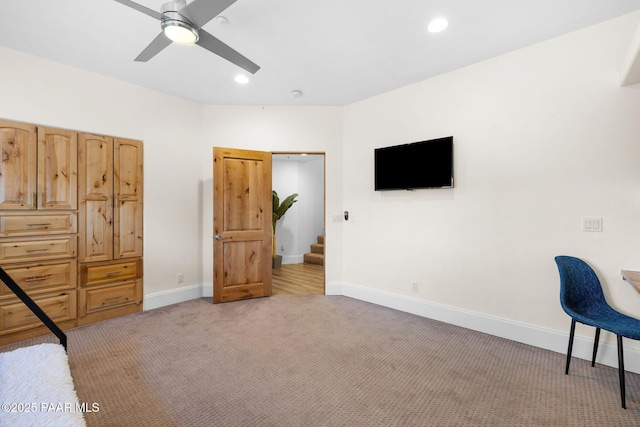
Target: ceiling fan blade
(223,50)
(199,12)
(159,43)
(141,8)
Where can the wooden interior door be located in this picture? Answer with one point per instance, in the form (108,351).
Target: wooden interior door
(241,224)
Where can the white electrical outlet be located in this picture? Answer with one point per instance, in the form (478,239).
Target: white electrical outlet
(592,224)
(180,278)
(414,286)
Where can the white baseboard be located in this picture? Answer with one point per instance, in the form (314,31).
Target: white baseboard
(516,331)
(292,259)
(207,290)
(174,296)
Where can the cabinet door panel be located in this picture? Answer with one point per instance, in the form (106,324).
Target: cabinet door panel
(96,197)
(57,169)
(128,179)
(127,239)
(96,232)
(18,143)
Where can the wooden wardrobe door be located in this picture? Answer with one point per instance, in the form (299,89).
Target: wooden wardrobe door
(95,157)
(18,143)
(57,169)
(127,183)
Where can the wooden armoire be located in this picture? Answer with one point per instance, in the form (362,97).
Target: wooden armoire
(71,209)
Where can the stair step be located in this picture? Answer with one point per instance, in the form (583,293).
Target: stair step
(311,258)
(317,248)
(321,239)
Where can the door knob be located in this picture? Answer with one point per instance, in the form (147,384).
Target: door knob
(218,237)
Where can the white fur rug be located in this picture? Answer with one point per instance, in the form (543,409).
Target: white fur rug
(36,388)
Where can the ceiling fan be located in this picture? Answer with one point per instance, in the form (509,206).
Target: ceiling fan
(182,23)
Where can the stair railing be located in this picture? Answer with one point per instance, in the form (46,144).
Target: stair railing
(31,304)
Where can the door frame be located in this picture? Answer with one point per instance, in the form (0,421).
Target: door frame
(324,187)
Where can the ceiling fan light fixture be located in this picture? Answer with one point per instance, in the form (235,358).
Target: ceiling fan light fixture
(179,32)
(182,23)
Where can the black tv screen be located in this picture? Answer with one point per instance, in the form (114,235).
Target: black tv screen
(424,164)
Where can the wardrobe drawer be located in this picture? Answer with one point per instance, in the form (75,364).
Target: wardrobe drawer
(15,224)
(96,274)
(108,297)
(41,277)
(15,316)
(19,250)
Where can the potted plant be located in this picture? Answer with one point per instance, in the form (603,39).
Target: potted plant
(279,209)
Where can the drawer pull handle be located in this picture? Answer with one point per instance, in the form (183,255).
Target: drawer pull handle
(37,250)
(42,224)
(37,278)
(111,273)
(114,300)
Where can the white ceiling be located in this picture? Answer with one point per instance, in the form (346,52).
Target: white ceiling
(335,51)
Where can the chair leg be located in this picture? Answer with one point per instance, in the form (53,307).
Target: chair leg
(570,349)
(595,347)
(621,371)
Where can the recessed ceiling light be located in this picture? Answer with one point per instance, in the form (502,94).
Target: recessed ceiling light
(296,93)
(437,25)
(241,79)
(222,19)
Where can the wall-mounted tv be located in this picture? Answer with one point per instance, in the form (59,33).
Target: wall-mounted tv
(424,164)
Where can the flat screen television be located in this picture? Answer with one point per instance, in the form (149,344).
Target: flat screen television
(424,164)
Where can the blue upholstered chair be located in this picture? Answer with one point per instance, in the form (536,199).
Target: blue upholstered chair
(582,298)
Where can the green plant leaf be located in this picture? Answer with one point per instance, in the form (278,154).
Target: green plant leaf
(279,209)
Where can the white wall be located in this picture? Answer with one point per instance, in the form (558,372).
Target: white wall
(544,136)
(285,176)
(284,129)
(312,211)
(38,91)
(304,221)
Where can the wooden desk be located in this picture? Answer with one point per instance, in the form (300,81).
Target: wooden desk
(632,277)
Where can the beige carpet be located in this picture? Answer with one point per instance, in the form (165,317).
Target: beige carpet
(327,361)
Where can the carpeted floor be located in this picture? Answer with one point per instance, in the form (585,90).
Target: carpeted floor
(327,361)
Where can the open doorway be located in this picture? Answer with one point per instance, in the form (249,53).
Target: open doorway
(300,232)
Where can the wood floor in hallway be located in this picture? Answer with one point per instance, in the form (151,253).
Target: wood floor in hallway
(298,279)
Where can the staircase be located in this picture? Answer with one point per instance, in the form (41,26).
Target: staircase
(316,256)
